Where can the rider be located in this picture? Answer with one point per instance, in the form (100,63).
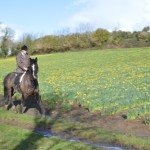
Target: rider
(22,64)
(22,60)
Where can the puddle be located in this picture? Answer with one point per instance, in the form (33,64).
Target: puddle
(49,134)
(77,140)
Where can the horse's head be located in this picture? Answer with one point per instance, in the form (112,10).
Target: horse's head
(34,67)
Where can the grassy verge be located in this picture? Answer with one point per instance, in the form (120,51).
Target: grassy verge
(22,139)
(74,129)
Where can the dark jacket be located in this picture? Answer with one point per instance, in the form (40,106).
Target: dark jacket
(22,60)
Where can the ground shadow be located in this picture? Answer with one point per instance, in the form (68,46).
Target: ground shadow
(41,124)
(30,143)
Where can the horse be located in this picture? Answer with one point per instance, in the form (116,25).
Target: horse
(25,83)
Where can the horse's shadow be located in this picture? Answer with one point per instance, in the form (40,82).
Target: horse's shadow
(30,102)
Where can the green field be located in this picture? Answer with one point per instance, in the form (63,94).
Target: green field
(111,81)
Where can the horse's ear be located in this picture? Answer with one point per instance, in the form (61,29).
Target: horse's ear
(36,59)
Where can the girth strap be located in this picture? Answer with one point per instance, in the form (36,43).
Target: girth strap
(22,76)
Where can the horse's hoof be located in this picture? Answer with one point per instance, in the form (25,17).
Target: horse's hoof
(43,115)
(6,107)
(14,108)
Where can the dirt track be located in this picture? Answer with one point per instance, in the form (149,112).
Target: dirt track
(112,123)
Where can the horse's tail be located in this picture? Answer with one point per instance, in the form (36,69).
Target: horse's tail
(8,83)
(5,88)
(5,92)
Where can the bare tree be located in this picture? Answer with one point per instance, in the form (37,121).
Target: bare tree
(64,31)
(84,28)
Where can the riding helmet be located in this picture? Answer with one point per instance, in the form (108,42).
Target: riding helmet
(24,47)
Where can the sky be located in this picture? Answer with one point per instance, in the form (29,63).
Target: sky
(45,17)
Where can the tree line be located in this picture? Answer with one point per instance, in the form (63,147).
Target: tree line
(84,38)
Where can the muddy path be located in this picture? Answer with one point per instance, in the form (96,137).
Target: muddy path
(49,134)
(80,114)
(77,114)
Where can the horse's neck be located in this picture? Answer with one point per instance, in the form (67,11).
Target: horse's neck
(30,79)
(29,75)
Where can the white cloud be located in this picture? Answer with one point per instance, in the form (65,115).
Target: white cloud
(127,15)
(18,32)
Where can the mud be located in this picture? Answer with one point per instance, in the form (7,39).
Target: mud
(113,123)
(76,113)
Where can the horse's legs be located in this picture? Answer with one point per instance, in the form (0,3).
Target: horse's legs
(23,99)
(22,102)
(6,96)
(39,103)
(37,97)
(39,108)
(9,101)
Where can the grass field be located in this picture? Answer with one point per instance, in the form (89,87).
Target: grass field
(110,80)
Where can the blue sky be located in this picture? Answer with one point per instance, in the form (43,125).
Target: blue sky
(53,16)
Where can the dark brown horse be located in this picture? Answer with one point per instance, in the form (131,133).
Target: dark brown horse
(25,83)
